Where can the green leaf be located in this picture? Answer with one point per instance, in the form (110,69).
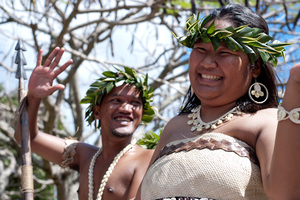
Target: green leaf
(205,20)
(108,79)
(149,112)
(117,68)
(230,29)
(172,11)
(251,32)
(264,38)
(251,53)
(235,43)
(215,42)
(85,100)
(221,34)
(205,38)
(192,26)
(130,72)
(109,87)
(147,118)
(279,45)
(109,74)
(264,56)
(247,49)
(211,28)
(150,139)
(96,84)
(91,90)
(119,83)
(243,30)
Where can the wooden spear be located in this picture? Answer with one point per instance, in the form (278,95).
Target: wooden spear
(27,172)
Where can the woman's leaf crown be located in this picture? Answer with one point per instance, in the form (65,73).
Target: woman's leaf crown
(252,41)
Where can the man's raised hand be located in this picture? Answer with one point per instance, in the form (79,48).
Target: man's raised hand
(41,79)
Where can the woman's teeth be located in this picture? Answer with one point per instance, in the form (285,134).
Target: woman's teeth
(210,77)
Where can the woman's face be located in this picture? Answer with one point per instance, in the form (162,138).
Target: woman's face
(219,77)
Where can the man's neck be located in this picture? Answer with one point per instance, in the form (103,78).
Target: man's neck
(111,147)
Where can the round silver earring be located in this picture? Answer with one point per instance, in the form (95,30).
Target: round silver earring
(256,94)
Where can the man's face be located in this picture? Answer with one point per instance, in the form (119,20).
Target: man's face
(120,111)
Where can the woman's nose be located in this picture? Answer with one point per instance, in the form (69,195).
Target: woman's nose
(209,62)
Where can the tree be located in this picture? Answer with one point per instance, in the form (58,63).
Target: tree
(95,35)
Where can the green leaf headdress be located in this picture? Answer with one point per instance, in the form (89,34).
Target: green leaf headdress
(110,79)
(252,41)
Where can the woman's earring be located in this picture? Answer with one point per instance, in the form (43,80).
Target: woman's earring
(258,93)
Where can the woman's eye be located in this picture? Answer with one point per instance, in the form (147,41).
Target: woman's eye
(225,53)
(200,49)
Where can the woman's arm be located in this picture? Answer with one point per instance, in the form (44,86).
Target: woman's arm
(280,152)
(285,168)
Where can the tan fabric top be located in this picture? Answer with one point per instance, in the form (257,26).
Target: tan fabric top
(212,165)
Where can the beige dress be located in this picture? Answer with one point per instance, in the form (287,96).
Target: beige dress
(212,166)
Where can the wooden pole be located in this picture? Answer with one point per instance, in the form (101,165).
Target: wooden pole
(27,172)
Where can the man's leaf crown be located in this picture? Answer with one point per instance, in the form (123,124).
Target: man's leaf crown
(252,41)
(110,79)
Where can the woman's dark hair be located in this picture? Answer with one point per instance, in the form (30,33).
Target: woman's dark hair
(239,15)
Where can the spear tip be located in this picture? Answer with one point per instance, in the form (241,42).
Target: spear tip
(20,46)
(20,60)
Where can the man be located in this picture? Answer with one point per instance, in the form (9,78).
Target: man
(118,103)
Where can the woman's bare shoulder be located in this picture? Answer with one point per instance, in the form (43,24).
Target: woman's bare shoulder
(173,130)
(176,122)
(266,115)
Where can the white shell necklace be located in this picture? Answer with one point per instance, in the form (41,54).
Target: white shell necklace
(107,174)
(199,125)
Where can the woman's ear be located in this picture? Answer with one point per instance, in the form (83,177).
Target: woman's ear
(97,112)
(256,69)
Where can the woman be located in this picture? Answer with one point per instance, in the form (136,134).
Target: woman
(225,143)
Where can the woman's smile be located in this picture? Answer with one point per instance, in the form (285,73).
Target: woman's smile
(210,77)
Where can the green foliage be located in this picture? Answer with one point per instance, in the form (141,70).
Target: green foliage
(149,140)
(13,98)
(110,79)
(173,7)
(182,3)
(252,41)
(46,193)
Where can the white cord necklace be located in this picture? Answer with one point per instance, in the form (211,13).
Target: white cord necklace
(199,125)
(107,174)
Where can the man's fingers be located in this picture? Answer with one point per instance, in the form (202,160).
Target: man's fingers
(57,59)
(39,58)
(63,68)
(57,87)
(51,56)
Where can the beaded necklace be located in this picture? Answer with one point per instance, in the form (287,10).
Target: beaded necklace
(107,174)
(199,125)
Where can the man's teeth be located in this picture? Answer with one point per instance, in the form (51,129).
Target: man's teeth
(123,119)
(210,77)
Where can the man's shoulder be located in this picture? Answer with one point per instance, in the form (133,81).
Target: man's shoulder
(143,151)
(86,147)
(85,151)
(143,154)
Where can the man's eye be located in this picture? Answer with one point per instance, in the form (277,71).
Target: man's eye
(115,100)
(136,103)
